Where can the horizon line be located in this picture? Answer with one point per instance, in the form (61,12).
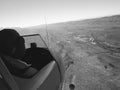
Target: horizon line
(48,23)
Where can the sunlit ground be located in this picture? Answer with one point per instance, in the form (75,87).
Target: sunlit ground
(87,64)
(90,63)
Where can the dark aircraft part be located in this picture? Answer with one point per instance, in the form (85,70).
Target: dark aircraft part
(39,60)
(4,85)
(53,81)
(37,54)
(38,57)
(72,87)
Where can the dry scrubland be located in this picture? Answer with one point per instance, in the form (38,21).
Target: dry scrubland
(89,50)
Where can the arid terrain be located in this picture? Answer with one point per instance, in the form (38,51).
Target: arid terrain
(89,50)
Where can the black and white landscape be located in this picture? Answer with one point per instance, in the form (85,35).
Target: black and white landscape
(89,50)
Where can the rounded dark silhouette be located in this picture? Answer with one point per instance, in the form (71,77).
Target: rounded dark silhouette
(72,86)
(11,43)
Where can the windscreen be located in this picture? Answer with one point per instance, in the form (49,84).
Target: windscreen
(34,38)
(45,40)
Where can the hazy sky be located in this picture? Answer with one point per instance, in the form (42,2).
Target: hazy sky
(33,12)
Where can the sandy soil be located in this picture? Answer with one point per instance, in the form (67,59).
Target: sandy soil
(87,65)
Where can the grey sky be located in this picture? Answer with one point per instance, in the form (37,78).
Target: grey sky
(32,12)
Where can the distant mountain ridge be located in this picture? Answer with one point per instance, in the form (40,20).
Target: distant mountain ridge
(113,18)
(107,23)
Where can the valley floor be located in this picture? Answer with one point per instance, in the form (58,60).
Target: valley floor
(88,65)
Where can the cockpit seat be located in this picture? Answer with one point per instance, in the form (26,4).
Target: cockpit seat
(48,78)
(3,84)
